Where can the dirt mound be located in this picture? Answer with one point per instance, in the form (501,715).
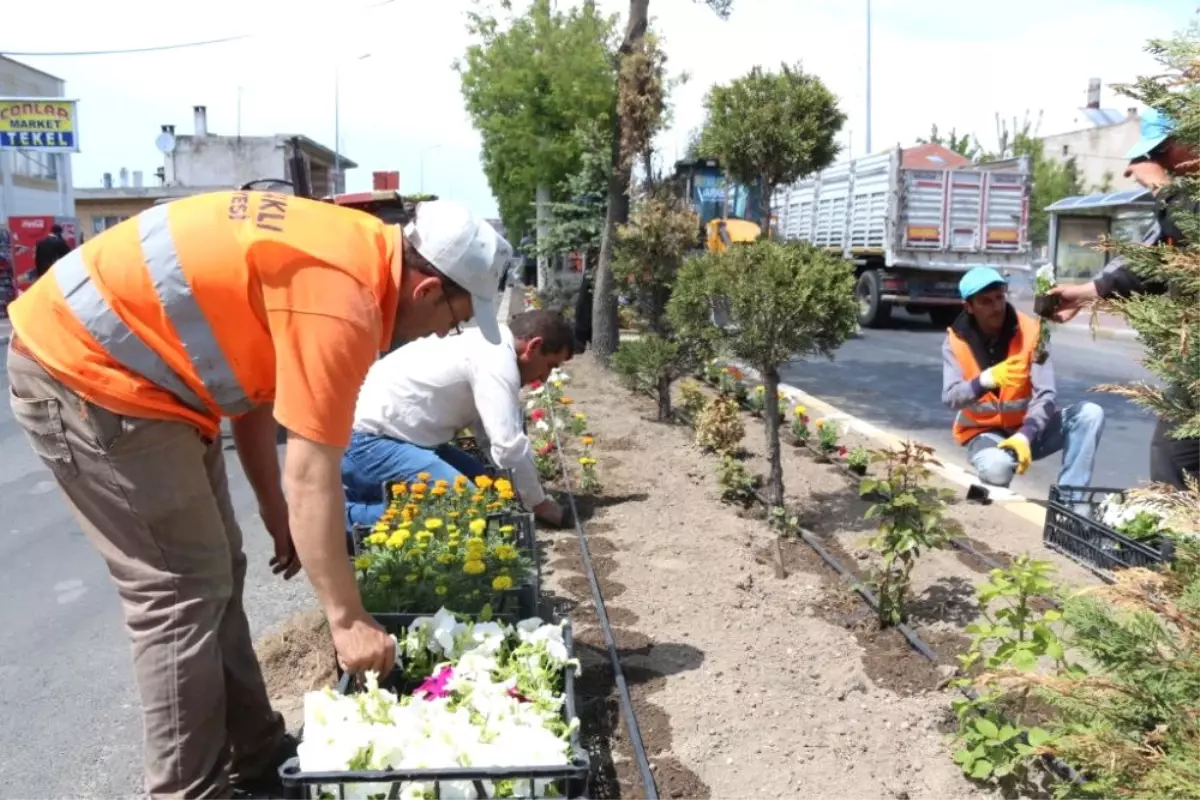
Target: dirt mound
(297,658)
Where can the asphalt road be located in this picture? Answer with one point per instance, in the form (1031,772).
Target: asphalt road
(70,725)
(892,378)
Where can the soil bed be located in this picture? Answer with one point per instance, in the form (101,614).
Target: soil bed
(744,684)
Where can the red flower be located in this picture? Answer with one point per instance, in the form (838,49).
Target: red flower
(546,449)
(535,385)
(841,451)
(537,414)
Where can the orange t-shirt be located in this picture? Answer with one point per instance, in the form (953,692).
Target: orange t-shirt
(299,295)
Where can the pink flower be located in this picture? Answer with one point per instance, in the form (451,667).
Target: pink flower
(520,698)
(434,686)
(841,451)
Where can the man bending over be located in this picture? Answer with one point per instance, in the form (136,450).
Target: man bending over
(417,398)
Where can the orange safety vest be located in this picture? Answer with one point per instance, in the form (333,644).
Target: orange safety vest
(1003,408)
(163,316)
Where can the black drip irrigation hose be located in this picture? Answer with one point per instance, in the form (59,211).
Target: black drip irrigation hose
(1056,765)
(631,723)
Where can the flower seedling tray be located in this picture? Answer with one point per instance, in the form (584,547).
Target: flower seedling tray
(571,778)
(1093,544)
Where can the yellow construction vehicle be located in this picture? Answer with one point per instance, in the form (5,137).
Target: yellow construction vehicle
(722,208)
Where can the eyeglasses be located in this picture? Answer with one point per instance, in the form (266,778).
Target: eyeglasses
(456,323)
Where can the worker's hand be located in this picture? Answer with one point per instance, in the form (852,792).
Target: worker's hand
(1149,174)
(362,644)
(286,560)
(553,514)
(1071,299)
(1012,373)
(1018,445)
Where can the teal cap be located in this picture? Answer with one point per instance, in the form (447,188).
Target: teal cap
(978,279)
(1156,128)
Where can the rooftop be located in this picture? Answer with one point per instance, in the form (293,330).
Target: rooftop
(23,65)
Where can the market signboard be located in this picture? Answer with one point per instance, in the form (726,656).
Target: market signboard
(49,125)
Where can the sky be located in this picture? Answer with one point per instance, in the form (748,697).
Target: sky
(400,107)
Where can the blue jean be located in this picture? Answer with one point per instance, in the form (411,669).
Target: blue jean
(370,460)
(1074,430)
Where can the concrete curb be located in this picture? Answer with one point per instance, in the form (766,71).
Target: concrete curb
(1006,499)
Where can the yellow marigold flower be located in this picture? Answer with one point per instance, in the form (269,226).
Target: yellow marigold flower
(384,580)
(380,526)
(378,537)
(433,523)
(580,416)
(799,411)
(503,485)
(476,542)
(405,524)
(446,558)
(419,488)
(453,514)
(507,495)
(587,462)
(424,536)
(362,562)
(588,441)
(760,389)
(399,489)
(556,384)
(460,480)
(820,424)
(397,540)
(440,590)
(566,401)
(412,578)
(438,491)
(412,508)
(474,566)
(477,498)
(506,552)
(423,476)
(441,482)
(483,481)
(478,526)
(507,528)
(502,583)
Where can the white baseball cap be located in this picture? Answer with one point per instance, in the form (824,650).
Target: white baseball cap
(465,249)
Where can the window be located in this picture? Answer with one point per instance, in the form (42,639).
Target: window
(34,164)
(1078,237)
(1066,150)
(101,224)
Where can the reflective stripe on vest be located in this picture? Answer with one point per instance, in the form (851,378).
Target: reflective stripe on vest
(962,420)
(179,304)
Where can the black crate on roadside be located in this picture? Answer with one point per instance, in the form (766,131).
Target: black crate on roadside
(571,778)
(1074,529)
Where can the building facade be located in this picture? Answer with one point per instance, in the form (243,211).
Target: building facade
(33,183)
(1098,141)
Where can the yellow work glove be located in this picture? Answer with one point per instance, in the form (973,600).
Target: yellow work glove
(1018,445)
(1011,373)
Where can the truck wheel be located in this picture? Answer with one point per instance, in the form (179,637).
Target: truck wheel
(944,316)
(873,312)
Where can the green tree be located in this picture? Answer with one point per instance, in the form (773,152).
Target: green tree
(531,83)
(783,302)
(965,145)
(640,91)
(578,220)
(771,128)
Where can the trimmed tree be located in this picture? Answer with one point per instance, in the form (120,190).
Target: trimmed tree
(637,115)
(777,303)
(769,129)
(650,250)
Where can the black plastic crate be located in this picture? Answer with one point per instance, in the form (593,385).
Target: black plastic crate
(572,778)
(1074,529)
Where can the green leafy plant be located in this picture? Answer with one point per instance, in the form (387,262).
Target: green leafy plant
(799,427)
(910,514)
(993,740)
(719,428)
(737,484)
(691,399)
(827,437)
(857,460)
(589,481)
(651,363)
(545,458)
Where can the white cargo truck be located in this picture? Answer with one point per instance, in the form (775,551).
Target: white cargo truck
(912,232)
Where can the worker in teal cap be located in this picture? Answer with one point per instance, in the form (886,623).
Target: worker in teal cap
(1005,396)
(1157,156)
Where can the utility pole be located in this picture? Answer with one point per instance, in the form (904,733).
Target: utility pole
(868,152)
(337,127)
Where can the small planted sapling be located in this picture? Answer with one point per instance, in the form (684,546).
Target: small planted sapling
(910,514)
(719,428)
(857,460)
(827,437)
(799,427)
(737,483)
(691,399)
(1014,634)
(1044,305)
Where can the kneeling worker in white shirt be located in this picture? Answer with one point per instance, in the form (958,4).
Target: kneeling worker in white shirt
(417,398)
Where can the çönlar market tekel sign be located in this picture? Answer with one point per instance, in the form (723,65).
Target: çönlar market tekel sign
(39,123)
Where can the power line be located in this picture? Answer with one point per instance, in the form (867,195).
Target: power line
(155,49)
